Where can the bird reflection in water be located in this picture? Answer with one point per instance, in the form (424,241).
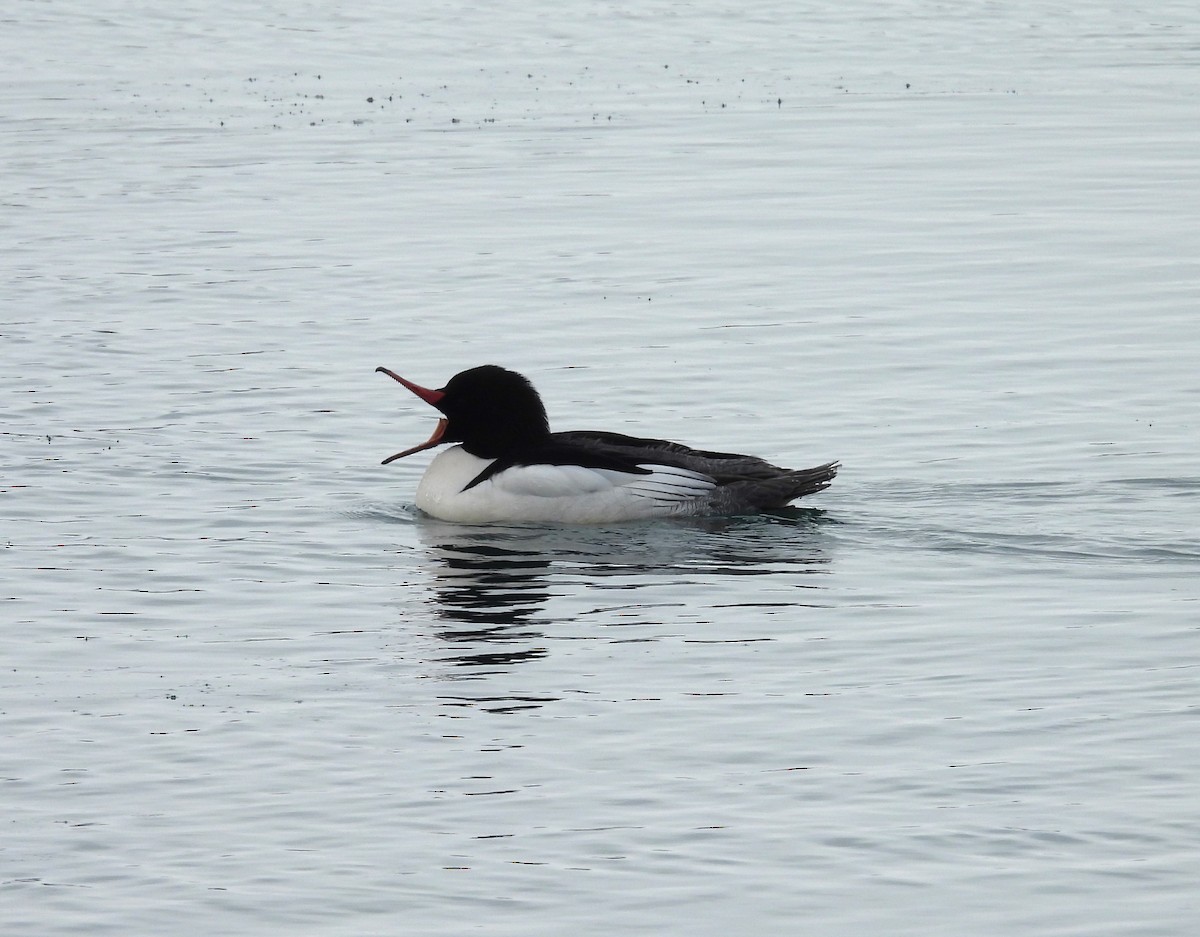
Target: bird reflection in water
(492,585)
(487,593)
(490,594)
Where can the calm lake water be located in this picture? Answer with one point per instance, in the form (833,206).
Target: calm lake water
(246,686)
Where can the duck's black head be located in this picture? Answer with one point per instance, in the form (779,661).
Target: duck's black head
(492,411)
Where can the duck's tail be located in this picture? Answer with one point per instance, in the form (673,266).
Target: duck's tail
(761,494)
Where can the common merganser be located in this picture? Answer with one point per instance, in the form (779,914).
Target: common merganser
(508,466)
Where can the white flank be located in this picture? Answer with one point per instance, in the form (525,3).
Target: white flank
(555,493)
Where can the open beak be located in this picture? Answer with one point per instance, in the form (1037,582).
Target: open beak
(432,397)
(428,444)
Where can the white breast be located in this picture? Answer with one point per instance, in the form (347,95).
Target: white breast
(556,493)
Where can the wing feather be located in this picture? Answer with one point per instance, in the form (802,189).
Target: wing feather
(663,483)
(558,481)
(669,484)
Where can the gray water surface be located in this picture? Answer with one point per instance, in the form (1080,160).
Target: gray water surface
(248,689)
